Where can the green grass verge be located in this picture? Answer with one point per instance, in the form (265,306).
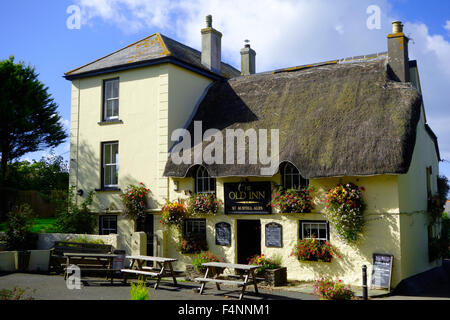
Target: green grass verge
(40,225)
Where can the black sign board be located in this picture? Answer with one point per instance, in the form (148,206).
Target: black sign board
(274,235)
(223,234)
(382,270)
(247,198)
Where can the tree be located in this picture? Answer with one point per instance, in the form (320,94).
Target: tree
(29,121)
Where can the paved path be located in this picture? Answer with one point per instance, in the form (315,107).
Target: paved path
(53,287)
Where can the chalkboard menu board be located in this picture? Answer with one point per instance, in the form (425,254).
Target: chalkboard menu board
(247,198)
(382,270)
(274,235)
(223,234)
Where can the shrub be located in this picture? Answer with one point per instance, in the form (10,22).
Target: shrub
(203,204)
(266,263)
(139,291)
(293,200)
(15,294)
(328,289)
(84,239)
(134,200)
(173,213)
(18,235)
(344,209)
(72,217)
(204,257)
(314,250)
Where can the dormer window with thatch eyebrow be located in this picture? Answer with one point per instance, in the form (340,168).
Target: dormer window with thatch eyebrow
(292,178)
(204,183)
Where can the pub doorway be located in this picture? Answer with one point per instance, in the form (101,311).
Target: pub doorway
(248,239)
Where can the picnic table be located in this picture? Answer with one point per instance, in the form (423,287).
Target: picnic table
(85,260)
(217,268)
(164,268)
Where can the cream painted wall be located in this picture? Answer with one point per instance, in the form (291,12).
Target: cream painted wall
(412,190)
(381,234)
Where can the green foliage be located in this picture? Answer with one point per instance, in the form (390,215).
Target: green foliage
(15,294)
(445,235)
(293,200)
(84,239)
(48,174)
(18,235)
(192,243)
(73,217)
(39,225)
(29,120)
(344,209)
(436,203)
(139,291)
(328,289)
(204,257)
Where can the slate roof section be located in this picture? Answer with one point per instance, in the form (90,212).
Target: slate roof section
(343,118)
(156,48)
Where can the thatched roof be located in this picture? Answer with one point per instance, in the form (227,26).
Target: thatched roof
(335,119)
(153,49)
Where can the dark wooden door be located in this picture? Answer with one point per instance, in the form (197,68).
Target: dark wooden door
(248,239)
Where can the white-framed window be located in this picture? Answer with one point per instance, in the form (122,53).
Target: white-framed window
(204,183)
(292,178)
(111,99)
(314,229)
(110,164)
(107,224)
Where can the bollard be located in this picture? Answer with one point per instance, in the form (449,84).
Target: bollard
(364,281)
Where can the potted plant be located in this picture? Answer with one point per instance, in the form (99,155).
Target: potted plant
(135,200)
(271,269)
(203,204)
(327,289)
(293,200)
(18,235)
(314,250)
(196,270)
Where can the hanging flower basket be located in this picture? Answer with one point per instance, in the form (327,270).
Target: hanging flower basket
(201,204)
(344,209)
(135,201)
(173,214)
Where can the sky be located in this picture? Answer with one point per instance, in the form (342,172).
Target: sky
(283,33)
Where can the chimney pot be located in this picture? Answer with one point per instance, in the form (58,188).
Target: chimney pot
(209,21)
(397,27)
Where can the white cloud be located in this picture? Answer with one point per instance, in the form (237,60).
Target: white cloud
(447,26)
(291,32)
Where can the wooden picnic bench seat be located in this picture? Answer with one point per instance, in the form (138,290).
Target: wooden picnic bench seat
(146,273)
(224,281)
(58,261)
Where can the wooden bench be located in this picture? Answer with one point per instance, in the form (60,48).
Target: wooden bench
(58,260)
(217,268)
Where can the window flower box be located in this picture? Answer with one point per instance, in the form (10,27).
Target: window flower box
(314,250)
(203,204)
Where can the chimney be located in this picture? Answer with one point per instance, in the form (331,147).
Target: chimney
(211,47)
(398,60)
(247,59)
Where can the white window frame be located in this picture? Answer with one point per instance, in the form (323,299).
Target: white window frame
(106,166)
(311,224)
(195,226)
(108,219)
(106,99)
(202,174)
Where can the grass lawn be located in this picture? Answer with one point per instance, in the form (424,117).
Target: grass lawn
(40,225)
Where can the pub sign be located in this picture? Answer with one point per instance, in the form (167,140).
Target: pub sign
(247,198)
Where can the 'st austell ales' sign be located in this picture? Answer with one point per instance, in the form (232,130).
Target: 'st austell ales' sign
(247,198)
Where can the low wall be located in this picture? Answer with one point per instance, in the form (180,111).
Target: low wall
(7,261)
(39,261)
(47,240)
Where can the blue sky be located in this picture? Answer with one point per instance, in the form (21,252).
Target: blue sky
(283,33)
